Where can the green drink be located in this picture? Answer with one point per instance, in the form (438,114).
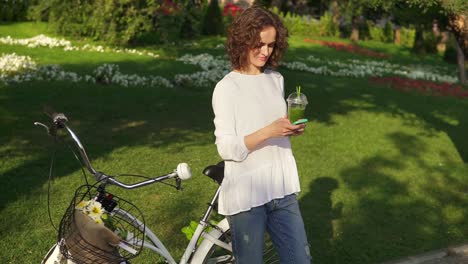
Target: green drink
(296,106)
(296,112)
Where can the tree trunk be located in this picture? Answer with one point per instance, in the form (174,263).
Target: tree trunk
(442,45)
(355,29)
(418,46)
(461,64)
(335,12)
(458,24)
(397,39)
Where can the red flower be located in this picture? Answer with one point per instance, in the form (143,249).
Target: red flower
(421,86)
(349,48)
(231,9)
(168,7)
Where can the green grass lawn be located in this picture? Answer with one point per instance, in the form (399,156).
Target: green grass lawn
(383,173)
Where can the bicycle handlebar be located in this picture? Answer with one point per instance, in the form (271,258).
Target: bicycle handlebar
(59,122)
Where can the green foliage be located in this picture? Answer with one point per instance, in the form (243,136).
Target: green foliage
(450,54)
(376,33)
(446,6)
(264,3)
(120,21)
(213,20)
(425,42)
(189,230)
(407,36)
(328,27)
(299,25)
(430,42)
(388,32)
(13,10)
(190,26)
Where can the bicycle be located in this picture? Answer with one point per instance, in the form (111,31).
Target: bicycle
(74,243)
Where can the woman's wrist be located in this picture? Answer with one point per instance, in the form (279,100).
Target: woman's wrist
(253,140)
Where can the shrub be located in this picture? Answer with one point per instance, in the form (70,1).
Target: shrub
(213,20)
(388,32)
(119,21)
(376,33)
(450,54)
(364,31)
(190,26)
(328,27)
(299,25)
(13,10)
(430,42)
(407,36)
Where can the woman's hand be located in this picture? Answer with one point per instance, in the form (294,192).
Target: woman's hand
(299,131)
(282,127)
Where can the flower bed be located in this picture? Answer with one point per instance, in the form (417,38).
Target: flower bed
(45,41)
(213,70)
(421,86)
(14,68)
(367,68)
(351,48)
(10,64)
(17,69)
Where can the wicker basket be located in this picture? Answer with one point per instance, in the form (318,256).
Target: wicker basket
(84,241)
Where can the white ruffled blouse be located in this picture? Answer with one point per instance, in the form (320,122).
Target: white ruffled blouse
(243,104)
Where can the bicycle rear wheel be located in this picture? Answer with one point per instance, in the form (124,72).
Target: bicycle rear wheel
(216,247)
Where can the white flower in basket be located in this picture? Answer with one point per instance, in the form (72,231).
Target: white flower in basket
(94,237)
(93,209)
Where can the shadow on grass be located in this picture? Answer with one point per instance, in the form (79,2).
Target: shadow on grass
(108,118)
(331,96)
(384,217)
(104,117)
(319,216)
(390,217)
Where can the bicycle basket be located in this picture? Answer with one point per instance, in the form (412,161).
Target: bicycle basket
(100,228)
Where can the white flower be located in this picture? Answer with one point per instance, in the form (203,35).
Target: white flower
(11,64)
(98,221)
(81,205)
(94,209)
(365,68)
(45,41)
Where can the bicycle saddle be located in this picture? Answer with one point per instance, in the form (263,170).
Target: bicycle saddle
(215,172)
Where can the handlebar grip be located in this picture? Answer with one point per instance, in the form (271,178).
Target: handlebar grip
(59,119)
(183,171)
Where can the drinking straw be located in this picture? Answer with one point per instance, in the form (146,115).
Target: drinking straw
(298,92)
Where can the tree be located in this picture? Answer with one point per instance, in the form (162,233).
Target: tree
(459,27)
(263,3)
(213,20)
(455,18)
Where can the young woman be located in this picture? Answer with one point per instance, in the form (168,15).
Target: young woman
(252,132)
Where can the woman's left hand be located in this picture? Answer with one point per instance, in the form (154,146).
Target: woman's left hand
(299,131)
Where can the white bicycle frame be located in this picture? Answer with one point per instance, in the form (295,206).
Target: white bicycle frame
(157,246)
(154,243)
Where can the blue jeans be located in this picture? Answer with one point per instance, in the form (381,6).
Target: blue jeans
(282,220)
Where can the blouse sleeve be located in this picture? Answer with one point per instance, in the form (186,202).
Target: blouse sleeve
(230,145)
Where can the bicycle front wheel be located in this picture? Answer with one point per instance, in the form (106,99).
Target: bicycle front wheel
(217,247)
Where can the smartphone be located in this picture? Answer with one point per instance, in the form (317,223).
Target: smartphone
(301,121)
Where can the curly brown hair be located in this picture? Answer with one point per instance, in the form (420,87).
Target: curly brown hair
(244,35)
